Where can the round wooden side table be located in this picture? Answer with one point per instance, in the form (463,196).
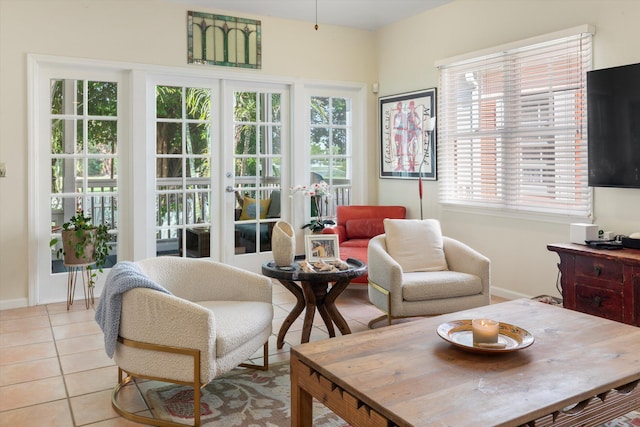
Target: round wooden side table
(314,293)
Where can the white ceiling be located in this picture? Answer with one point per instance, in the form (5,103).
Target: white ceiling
(361,14)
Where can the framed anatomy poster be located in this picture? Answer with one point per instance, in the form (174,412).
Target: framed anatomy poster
(408,135)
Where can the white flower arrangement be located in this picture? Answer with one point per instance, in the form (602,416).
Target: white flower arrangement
(317,191)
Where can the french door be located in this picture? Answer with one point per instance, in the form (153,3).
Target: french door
(80,123)
(257,126)
(186,160)
(218,200)
(181,192)
(176,165)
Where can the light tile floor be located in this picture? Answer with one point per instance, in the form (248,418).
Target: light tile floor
(54,371)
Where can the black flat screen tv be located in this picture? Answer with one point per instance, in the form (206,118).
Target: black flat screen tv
(613,114)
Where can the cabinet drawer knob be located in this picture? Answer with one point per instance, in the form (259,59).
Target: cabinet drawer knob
(597,270)
(597,302)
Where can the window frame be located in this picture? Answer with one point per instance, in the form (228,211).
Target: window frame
(340,191)
(356,190)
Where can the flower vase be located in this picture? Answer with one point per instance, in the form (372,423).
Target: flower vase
(283,244)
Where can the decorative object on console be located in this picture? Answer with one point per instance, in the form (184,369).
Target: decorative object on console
(632,241)
(606,235)
(407,135)
(283,244)
(579,233)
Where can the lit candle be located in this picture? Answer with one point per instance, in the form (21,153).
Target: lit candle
(485,331)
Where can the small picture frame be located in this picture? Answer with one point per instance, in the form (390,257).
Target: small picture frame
(322,247)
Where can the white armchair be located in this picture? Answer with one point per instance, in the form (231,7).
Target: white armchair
(215,318)
(464,284)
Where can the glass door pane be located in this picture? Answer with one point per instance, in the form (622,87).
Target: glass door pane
(258,127)
(84,159)
(183,171)
(330,145)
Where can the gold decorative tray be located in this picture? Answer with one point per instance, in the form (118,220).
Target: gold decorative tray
(459,333)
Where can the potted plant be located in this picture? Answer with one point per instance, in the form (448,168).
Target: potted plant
(317,225)
(84,244)
(318,192)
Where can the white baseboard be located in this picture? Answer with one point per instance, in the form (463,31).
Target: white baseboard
(506,293)
(511,295)
(7,304)
(24,302)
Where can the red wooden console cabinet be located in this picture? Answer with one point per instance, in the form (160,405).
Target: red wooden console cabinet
(604,283)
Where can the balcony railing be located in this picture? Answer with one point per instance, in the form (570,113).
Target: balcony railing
(101,203)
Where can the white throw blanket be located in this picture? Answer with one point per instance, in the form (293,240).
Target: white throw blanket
(123,276)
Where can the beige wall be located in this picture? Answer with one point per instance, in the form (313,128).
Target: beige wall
(140,31)
(521,265)
(400,57)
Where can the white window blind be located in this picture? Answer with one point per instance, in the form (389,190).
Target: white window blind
(513,128)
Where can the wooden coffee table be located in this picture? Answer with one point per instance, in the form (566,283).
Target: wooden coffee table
(314,292)
(581,370)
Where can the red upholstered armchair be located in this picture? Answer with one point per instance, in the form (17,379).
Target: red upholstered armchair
(357,224)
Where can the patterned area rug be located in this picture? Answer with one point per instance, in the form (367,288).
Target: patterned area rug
(246,397)
(548,299)
(243,397)
(632,419)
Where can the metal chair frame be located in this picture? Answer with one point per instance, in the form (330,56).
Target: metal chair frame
(196,383)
